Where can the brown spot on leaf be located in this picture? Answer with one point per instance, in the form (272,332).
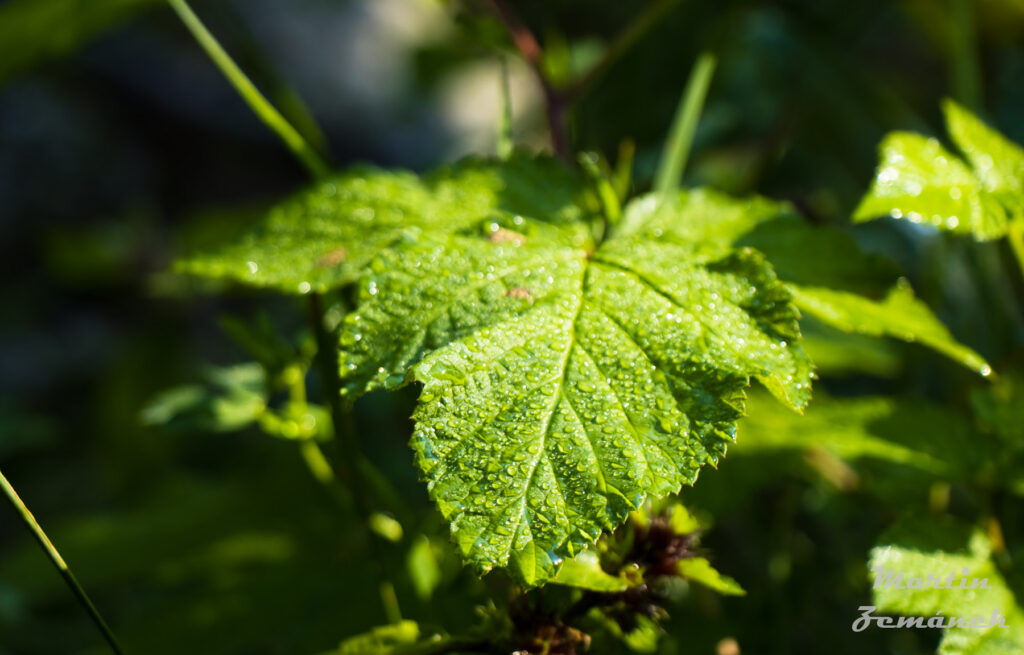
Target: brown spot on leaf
(505,236)
(333,258)
(519,292)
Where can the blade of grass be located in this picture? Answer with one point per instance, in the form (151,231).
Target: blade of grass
(505,142)
(677,147)
(59,563)
(265,111)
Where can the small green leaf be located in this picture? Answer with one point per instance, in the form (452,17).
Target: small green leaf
(584,572)
(386,527)
(699,570)
(921,181)
(900,315)
(232,398)
(326,236)
(424,569)
(383,640)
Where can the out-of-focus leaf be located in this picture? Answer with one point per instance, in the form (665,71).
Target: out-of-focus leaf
(999,410)
(900,315)
(904,432)
(424,569)
(699,570)
(382,640)
(921,181)
(232,398)
(941,550)
(997,161)
(35,30)
(584,572)
(836,353)
(386,526)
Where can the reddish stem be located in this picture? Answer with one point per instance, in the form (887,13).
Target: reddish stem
(528,46)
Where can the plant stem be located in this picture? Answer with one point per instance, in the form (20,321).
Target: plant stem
(58,561)
(505,140)
(677,147)
(529,48)
(341,417)
(622,43)
(1015,236)
(256,100)
(965,68)
(358,474)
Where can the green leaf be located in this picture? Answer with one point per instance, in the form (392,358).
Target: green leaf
(999,410)
(699,570)
(325,237)
(939,548)
(901,431)
(584,572)
(824,262)
(231,398)
(564,384)
(997,161)
(424,569)
(918,179)
(900,315)
(383,640)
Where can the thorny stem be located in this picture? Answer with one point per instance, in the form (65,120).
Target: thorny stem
(265,111)
(60,564)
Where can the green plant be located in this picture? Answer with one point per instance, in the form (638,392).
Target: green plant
(580,351)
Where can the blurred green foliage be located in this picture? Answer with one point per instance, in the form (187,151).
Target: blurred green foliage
(120,144)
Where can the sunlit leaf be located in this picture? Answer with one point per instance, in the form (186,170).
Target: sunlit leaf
(921,181)
(326,236)
(584,572)
(699,570)
(566,382)
(900,315)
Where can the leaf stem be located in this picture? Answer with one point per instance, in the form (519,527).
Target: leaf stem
(677,147)
(262,107)
(555,102)
(60,564)
(622,43)
(340,416)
